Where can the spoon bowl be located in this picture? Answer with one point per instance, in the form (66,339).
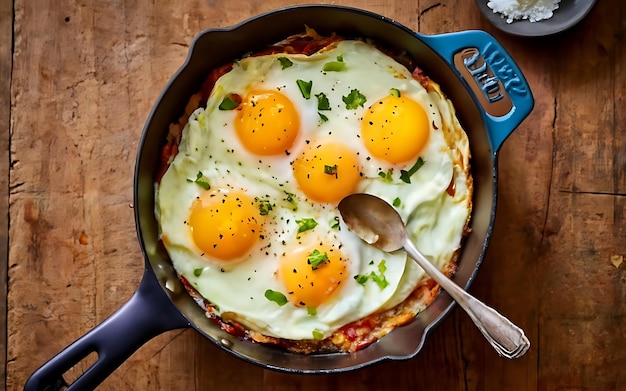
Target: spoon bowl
(377,222)
(374,221)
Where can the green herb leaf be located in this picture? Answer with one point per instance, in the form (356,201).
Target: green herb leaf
(318,335)
(330,170)
(334,223)
(228,103)
(276,297)
(405,176)
(361,278)
(265,206)
(285,62)
(323,118)
(305,88)
(397,202)
(354,99)
(317,258)
(379,279)
(395,92)
(335,66)
(290,197)
(387,176)
(200,181)
(311,311)
(197,272)
(322,101)
(306,224)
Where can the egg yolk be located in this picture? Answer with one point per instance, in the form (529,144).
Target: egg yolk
(327,172)
(267,122)
(225,225)
(312,273)
(395,129)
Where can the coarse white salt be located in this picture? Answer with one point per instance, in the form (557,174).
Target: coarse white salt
(532,10)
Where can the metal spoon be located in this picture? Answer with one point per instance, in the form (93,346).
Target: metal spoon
(378,223)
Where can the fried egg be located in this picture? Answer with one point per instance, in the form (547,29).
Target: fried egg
(248,206)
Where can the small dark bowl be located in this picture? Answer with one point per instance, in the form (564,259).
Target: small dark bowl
(569,13)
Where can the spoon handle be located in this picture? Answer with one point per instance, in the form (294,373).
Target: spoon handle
(505,337)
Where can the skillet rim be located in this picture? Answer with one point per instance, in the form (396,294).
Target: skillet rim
(225,342)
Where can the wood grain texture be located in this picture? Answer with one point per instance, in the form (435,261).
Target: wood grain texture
(6,61)
(85,75)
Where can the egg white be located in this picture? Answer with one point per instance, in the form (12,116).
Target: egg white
(210,145)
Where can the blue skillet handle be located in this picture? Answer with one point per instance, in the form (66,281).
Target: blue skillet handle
(492,77)
(148,313)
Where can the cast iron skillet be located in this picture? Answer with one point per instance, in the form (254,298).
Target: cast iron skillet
(491,97)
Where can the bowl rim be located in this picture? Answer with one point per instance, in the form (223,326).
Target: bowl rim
(568,14)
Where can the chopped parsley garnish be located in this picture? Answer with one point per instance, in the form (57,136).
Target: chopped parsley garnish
(200,181)
(306,224)
(395,92)
(311,311)
(291,198)
(305,88)
(335,66)
(228,103)
(317,334)
(197,272)
(330,170)
(317,258)
(397,202)
(354,99)
(334,223)
(265,206)
(322,101)
(405,176)
(361,278)
(276,297)
(285,62)
(387,176)
(323,118)
(379,278)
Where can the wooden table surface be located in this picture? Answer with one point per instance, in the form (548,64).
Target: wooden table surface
(78,79)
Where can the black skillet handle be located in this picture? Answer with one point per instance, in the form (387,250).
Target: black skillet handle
(148,313)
